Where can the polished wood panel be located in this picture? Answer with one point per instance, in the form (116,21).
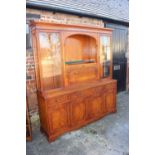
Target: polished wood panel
(110,100)
(95,106)
(81,73)
(74,84)
(58,117)
(78,112)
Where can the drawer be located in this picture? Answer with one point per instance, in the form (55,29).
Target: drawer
(76,97)
(92,92)
(110,86)
(58,100)
(88,92)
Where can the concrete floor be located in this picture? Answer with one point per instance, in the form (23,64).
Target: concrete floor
(108,136)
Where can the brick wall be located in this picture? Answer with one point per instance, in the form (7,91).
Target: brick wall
(61,18)
(31,83)
(30,68)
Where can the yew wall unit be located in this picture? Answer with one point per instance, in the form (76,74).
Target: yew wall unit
(73,66)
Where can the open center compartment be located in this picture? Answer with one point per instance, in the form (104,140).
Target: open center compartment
(80,59)
(80,49)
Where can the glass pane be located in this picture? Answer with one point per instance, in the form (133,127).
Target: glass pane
(105,55)
(108,53)
(104,49)
(105,40)
(50,59)
(55,53)
(102,52)
(106,69)
(44,41)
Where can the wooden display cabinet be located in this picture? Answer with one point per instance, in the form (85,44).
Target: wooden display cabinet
(73,66)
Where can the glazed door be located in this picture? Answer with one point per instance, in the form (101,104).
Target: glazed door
(50,60)
(105,56)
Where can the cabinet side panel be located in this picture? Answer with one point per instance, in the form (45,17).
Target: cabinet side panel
(43,114)
(35,49)
(110,98)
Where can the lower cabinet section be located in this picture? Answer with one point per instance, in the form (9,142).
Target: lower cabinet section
(77,108)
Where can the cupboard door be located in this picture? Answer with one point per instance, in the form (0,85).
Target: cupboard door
(50,60)
(110,100)
(58,117)
(95,106)
(78,112)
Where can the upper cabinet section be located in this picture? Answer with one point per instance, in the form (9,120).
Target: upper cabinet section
(67,55)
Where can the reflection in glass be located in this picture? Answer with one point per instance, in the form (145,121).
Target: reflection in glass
(105,55)
(106,69)
(105,40)
(108,53)
(43,38)
(50,59)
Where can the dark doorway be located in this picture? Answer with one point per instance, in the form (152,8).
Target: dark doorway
(119,48)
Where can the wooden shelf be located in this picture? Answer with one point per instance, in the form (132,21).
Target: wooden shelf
(79,62)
